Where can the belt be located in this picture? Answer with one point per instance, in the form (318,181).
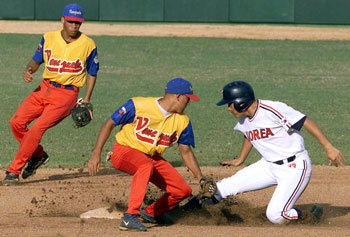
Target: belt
(285,161)
(58,85)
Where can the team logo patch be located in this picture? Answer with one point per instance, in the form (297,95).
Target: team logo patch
(96,59)
(122,111)
(39,48)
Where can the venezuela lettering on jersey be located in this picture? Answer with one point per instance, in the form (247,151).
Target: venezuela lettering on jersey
(62,66)
(149,135)
(258,134)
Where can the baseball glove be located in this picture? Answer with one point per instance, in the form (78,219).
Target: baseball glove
(207,188)
(81,114)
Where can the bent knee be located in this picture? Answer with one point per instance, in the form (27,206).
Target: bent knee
(182,193)
(275,217)
(15,124)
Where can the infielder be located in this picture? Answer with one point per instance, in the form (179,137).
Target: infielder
(273,129)
(149,126)
(70,58)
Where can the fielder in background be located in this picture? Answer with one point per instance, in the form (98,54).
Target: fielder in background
(273,129)
(149,126)
(70,58)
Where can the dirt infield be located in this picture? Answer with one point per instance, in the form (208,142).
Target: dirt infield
(50,203)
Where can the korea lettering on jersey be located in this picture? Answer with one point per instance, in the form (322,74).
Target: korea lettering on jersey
(268,130)
(146,129)
(67,64)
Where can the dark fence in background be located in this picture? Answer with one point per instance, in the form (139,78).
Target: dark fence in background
(253,11)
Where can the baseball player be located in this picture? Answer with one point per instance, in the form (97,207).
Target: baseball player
(70,58)
(273,129)
(149,126)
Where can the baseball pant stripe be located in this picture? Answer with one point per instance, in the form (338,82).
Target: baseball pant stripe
(295,192)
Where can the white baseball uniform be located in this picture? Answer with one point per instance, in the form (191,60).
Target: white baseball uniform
(274,131)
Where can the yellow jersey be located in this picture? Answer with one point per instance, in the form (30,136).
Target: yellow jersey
(67,63)
(147,129)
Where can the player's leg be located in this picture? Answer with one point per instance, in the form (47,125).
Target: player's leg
(254,177)
(167,178)
(137,164)
(30,109)
(292,180)
(58,103)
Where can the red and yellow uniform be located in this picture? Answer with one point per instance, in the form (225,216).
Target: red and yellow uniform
(67,64)
(147,131)
(66,67)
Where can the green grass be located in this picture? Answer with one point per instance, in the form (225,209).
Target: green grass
(311,76)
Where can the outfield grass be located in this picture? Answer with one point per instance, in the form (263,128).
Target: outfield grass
(311,76)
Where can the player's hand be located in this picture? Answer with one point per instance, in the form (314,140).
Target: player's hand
(27,75)
(90,111)
(94,164)
(335,157)
(235,162)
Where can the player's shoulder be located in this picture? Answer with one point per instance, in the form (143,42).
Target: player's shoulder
(53,34)
(271,104)
(144,99)
(87,39)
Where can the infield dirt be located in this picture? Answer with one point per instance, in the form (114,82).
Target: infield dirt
(50,203)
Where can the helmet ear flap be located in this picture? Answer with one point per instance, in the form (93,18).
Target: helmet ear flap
(242,104)
(239,107)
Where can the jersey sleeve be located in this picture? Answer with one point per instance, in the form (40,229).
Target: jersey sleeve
(290,117)
(92,64)
(187,137)
(298,125)
(39,54)
(124,114)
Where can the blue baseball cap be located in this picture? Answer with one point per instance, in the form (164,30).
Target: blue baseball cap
(73,12)
(182,87)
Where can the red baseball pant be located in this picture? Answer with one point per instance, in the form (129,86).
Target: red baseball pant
(145,169)
(47,104)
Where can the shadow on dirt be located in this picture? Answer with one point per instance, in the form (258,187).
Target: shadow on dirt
(235,212)
(78,174)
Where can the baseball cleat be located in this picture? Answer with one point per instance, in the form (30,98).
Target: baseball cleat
(147,218)
(10,179)
(311,217)
(131,222)
(317,212)
(34,164)
(163,219)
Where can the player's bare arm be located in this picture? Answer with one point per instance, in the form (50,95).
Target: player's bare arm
(95,159)
(31,68)
(90,84)
(246,148)
(333,154)
(190,160)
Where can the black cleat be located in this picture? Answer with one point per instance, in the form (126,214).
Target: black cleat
(34,164)
(317,212)
(10,179)
(163,219)
(311,217)
(131,222)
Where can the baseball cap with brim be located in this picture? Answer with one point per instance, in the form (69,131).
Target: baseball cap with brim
(73,12)
(223,101)
(182,87)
